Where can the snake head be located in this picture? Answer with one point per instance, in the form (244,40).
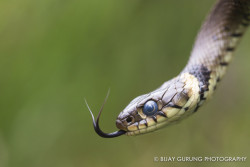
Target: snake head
(146,113)
(167,104)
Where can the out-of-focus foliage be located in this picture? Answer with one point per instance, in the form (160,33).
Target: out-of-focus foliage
(55,53)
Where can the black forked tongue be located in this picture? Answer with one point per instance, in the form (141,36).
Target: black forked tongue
(96,123)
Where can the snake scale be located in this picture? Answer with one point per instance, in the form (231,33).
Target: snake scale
(184,94)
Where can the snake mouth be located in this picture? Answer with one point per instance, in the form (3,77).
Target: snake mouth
(120,125)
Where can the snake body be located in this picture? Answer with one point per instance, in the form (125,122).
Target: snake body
(184,94)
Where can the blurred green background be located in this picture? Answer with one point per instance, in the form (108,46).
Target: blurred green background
(55,53)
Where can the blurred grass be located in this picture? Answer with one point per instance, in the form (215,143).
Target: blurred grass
(54,53)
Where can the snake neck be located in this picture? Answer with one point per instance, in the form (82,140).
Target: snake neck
(216,42)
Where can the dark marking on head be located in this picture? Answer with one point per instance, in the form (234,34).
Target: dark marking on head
(244,24)
(154,118)
(161,114)
(223,63)
(173,105)
(196,108)
(229,49)
(186,108)
(236,35)
(202,97)
(218,79)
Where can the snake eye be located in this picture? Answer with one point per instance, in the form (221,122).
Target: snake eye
(150,108)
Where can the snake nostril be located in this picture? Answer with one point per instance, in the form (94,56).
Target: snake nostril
(129,119)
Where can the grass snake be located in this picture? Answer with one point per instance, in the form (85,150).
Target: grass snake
(184,94)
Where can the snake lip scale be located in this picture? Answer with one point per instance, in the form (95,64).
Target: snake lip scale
(183,95)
